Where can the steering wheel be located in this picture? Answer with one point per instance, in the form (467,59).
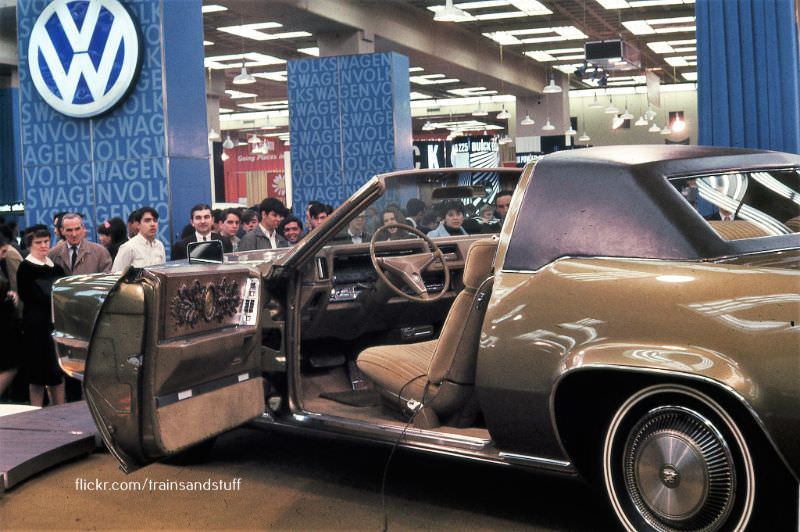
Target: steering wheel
(409,267)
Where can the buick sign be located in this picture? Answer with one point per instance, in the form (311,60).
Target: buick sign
(84,55)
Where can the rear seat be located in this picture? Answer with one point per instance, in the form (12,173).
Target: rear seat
(737,229)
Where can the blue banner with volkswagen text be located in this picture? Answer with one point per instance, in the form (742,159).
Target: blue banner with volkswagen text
(94,124)
(350,119)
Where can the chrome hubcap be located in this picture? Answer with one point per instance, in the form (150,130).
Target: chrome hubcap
(678,470)
(671,475)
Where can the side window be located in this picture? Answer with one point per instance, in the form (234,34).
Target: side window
(748,204)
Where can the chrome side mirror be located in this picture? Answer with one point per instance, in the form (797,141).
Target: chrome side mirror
(208,252)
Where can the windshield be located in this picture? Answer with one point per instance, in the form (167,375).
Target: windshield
(746,204)
(439,204)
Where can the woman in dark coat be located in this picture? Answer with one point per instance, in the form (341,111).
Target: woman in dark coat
(112,234)
(9,326)
(35,278)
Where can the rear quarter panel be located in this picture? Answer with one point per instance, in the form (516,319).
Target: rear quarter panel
(735,325)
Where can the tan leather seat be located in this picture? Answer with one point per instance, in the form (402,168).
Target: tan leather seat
(737,229)
(440,373)
(793,224)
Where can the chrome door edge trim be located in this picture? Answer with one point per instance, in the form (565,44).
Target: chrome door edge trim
(537,461)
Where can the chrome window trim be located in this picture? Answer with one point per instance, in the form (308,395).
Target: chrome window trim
(711,173)
(712,260)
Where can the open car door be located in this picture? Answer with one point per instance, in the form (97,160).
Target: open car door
(174,359)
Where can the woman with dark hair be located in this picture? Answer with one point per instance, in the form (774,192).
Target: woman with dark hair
(112,234)
(393,216)
(35,278)
(453,219)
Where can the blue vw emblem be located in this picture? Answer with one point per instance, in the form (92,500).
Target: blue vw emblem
(83,55)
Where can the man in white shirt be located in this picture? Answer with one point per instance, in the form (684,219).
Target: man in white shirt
(266,235)
(415,210)
(144,249)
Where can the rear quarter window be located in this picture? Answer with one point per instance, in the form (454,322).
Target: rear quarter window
(743,205)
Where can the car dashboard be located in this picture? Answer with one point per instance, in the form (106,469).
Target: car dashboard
(342,296)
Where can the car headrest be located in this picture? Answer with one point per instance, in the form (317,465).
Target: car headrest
(479,264)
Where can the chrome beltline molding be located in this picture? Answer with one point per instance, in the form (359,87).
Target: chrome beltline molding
(712,260)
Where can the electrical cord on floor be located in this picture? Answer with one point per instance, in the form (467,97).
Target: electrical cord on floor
(397,442)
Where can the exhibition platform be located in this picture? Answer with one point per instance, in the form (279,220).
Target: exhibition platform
(33,440)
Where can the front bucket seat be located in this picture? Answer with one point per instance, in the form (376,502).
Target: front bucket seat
(439,374)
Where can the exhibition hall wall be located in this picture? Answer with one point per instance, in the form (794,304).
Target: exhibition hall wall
(598,124)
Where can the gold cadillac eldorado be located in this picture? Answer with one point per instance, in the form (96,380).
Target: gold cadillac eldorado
(633,321)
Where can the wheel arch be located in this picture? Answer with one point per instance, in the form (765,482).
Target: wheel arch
(586,399)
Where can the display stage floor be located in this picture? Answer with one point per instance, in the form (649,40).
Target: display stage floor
(35,440)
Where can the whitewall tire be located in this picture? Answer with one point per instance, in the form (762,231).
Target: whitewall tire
(674,459)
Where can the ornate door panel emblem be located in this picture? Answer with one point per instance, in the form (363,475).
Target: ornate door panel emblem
(209,302)
(84,55)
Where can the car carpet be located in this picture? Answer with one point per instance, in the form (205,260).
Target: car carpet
(354,397)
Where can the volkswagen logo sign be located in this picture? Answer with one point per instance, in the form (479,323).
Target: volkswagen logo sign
(84,55)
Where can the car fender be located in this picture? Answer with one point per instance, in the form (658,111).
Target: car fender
(693,365)
(683,361)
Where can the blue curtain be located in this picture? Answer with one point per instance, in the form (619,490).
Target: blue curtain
(748,74)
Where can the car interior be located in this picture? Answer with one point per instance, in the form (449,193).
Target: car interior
(390,355)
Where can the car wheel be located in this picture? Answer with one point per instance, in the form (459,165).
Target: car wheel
(673,459)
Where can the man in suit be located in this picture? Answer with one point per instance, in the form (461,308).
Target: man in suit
(201,219)
(133,223)
(415,210)
(78,256)
(355,233)
(266,235)
(229,226)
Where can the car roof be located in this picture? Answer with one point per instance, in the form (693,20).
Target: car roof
(675,159)
(617,201)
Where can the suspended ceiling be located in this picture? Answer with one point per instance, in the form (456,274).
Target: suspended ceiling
(532,39)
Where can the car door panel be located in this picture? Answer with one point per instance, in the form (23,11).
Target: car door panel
(175,359)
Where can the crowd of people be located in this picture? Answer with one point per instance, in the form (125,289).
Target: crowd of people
(31,262)
(447,218)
